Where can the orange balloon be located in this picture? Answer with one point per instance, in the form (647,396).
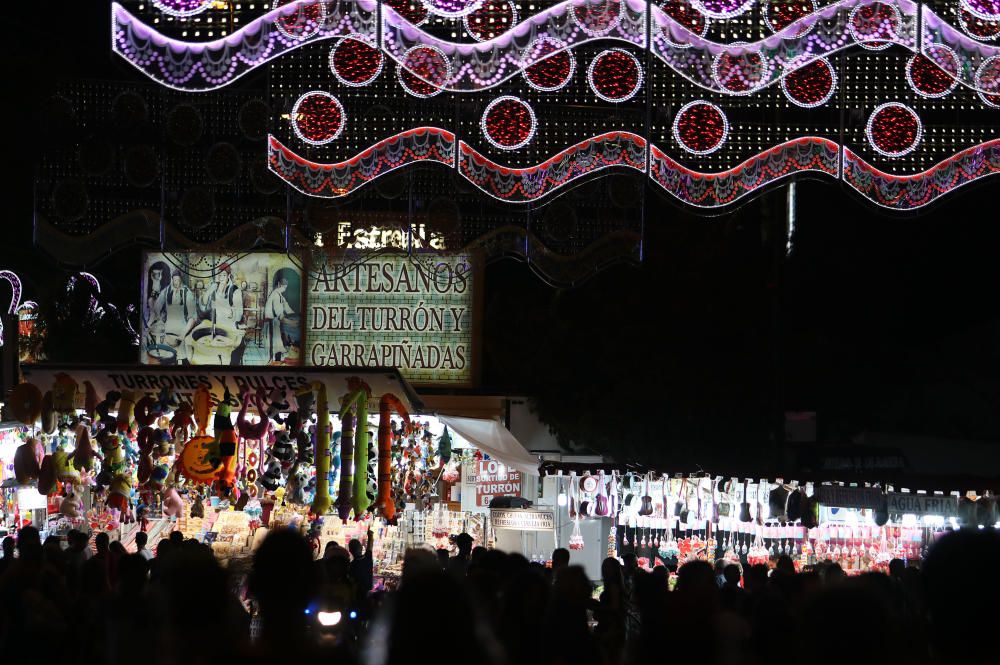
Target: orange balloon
(193,462)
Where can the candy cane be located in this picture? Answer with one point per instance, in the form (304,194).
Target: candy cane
(389,403)
(321,501)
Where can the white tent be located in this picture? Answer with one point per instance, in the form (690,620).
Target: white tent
(495,440)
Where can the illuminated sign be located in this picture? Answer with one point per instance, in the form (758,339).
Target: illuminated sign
(523,520)
(414,313)
(376,237)
(494,479)
(923,504)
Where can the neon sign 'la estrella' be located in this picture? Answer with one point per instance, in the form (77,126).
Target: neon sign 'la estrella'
(377,237)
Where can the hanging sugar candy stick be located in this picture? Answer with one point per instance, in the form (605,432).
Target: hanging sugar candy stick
(361,500)
(385,503)
(202,408)
(348,419)
(321,501)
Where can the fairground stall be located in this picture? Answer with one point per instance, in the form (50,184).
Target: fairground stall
(668,519)
(223,454)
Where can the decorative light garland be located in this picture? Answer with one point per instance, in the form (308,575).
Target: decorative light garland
(508,123)
(881,16)
(304,22)
(984,9)
(490,19)
(733,74)
(980,29)
(700,127)
(318,117)
(355,61)
(598,17)
(933,76)
(779,14)
(452,8)
(722,9)
(684,13)
(182,8)
(810,85)
(987,81)
(552,72)
(894,129)
(418,84)
(615,75)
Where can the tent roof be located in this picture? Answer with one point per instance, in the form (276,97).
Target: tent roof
(495,440)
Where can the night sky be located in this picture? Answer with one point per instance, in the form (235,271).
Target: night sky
(878,322)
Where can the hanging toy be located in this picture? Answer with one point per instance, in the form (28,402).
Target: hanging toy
(298,481)
(49,417)
(173,504)
(28,460)
(321,501)
(104,407)
(202,408)
(225,436)
(64,393)
(71,506)
(282,450)
(90,400)
(146,411)
(26,403)
(183,421)
(47,476)
(145,442)
(158,477)
(387,404)
(126,410)
(119,492)
(335,455)
(83,456)
(248,430)
(197,461)
(360,490)
(114,452)
(278,405)
(63,464)
(271,479)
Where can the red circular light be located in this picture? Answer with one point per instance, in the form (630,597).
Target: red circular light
(492,18)
(304,22)
(508,123)
(615,75)
(779,14)
(933,74)
(871,24)
(811,85)
(894,129)
(700,127)
(689,17)
(413,11)
(598,17)
(317,118)
(355,62)
(424,71)
(553,71)
(978,28)
(741,74)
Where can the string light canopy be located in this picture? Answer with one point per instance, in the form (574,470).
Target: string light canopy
(810,85)
(779,14)
(304,22)
(508,123)
(182,8)
(684,13)
(553,72)
(874,26)
(700,127)
(318,117)
(423,71)
(615,75)
(978,28)
(451,8)
(894,129)
(933,73)
(490,19)
(597,19)
(987,81)
(413,11)
(355,61)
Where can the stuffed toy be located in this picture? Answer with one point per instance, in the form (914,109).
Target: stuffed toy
(173,504)
(183,421)
(71,506)
(158,477)
(83,456)
(65,471)
(26,403)
(298,479)
(28,460)
(146,443)
(226,440)
(147,410)
(271,479)
(202,408)
(360,501)
(321,500)
(303,441)
(386,405)
(282,450)
(278,403)
(248,430)
(114,453)
(64,393)
(197,505)
(120,492)
(47,476)
(90,399)
(50,418)
(104,408)
(126,410)
(163,445)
